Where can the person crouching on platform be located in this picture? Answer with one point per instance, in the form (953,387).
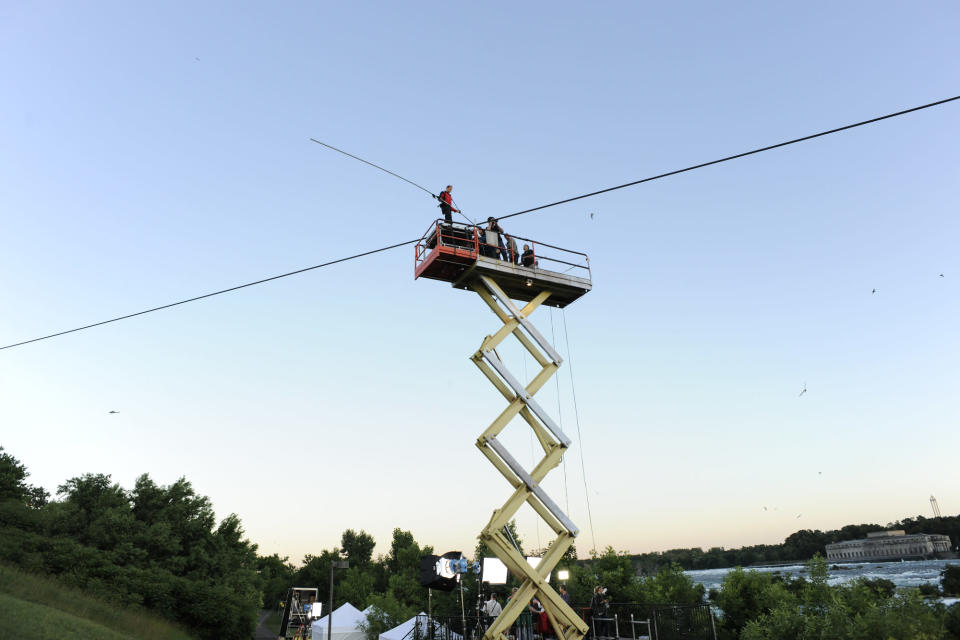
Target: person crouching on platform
(446,204)
(528,259)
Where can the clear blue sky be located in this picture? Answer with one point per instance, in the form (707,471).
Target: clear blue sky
(151,153)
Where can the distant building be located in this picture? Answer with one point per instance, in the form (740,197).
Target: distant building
(891,545)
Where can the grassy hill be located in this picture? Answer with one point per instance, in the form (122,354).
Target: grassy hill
(39,608)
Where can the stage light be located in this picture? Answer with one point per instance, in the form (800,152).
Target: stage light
(494,571)
(435,571)
(563,575)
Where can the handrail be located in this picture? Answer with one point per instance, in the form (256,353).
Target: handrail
(444,233)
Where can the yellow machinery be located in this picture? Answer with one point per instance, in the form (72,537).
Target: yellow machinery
(469,258)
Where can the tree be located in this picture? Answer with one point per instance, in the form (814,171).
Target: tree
(670,586)
(357,547)
(13,485)
(746,595)
(274,578)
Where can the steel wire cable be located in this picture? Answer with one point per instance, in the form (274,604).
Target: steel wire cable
(733,157)
(212,294)
(518,213)
(576,413)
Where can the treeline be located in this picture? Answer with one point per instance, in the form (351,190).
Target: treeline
(798,547)
(156,547)
(390,581)
(767,606)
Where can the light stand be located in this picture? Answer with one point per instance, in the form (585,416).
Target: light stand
(334,564)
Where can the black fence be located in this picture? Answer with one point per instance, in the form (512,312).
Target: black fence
(622,621)
(653,622)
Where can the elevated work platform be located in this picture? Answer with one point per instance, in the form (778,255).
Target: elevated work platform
(461,253)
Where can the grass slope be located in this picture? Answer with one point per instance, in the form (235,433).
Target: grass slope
(40,608)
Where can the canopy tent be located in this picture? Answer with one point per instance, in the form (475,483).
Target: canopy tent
(346,624)
(400,631)
(404,630)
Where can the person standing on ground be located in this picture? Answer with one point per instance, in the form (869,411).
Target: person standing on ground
(446,204)
(492,609)
(564,595)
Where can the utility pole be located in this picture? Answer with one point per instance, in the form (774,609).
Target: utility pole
(334,564)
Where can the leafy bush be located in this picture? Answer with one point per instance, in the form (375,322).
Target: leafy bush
(950,580)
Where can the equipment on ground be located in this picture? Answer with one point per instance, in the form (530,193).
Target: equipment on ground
(300,609)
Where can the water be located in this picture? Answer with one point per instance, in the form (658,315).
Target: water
(912,573)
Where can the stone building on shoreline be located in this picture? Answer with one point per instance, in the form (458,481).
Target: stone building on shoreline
(891,545)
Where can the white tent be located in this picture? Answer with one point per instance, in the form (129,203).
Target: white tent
(400,631)
(403,631)
(346,624)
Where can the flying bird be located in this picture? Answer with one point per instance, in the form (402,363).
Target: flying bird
(941,275)
(799,514)
(804,389)
(197,59)
(874,291)
(593,214)
(112,411)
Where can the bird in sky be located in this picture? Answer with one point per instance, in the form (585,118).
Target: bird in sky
(874,291)
(941,275)
(593,214)
(764,508)
(804,389)
(112,411)
(799,514)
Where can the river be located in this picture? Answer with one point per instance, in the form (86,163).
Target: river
(911,573)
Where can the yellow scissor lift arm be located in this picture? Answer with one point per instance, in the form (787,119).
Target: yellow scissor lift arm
(451,260)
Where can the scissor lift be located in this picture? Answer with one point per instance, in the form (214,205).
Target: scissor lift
(457,253)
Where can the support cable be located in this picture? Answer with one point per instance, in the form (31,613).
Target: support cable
(212,294)
(533,457)
(518,213)
(566,489)
(576,413)
(733,157)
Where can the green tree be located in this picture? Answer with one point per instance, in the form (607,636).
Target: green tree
(357,547)
(670,585)
(274,578)
(14,486)
(746,595)
(950,580)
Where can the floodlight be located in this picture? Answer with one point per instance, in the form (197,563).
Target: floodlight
(533,562)
(563,575)
(494,571)
(446,567)
(435,573)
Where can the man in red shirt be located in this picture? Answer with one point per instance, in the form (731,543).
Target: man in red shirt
(446,204)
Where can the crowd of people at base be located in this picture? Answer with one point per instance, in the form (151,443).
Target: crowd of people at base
(494,241)
(534,621)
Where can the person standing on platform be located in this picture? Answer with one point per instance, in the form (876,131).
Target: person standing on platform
(492,238)
(446,204)
(512,254)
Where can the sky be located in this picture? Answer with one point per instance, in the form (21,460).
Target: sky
(153,152)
